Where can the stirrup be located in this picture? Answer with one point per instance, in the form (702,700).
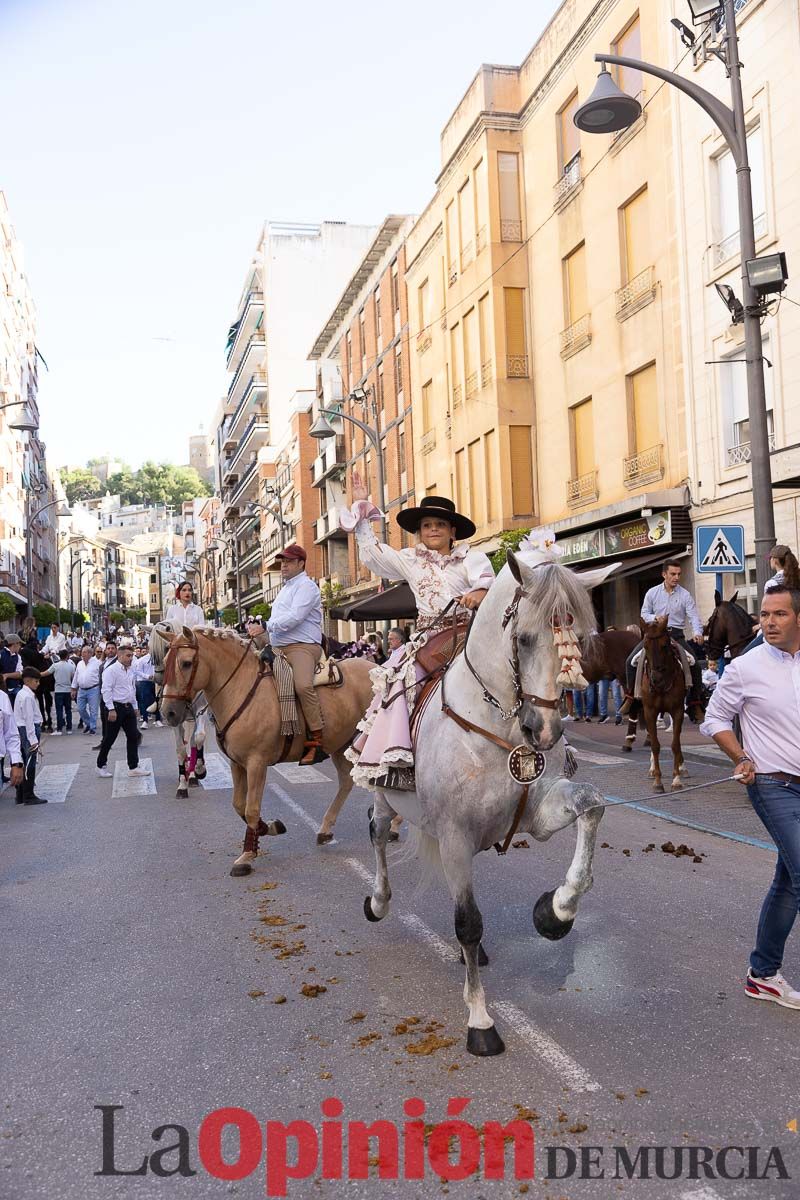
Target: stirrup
(318,756)
(398,779)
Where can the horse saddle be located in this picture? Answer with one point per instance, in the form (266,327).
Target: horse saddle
(441,648)
(328,673)
(676,650)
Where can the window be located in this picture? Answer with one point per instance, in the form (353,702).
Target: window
(471,353)
(519,437)
(582,422)
(485,333)
(735,417)
(466,221)
(508,182)
(395,288)
(461,500)
(362,340)
(452,242)
(481,204)
(489,472)
(398,374)
(474,479)
(427,406)
(644,410)
(401,447)
(376,298)
(424,305)
(455,363)
(569,138)
(516,354)
(575,302)
(726,233)
(380,395)
(637,249)
(629,45)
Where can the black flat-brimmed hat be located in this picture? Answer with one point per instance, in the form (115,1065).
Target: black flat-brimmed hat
(410,519)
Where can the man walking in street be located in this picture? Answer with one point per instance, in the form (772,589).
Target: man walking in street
(86,688)
(119,697)
(54,643)
(11,665)
(295,628)
(109,656)
(677,604)
(27,716)
(762,688)
(62,671)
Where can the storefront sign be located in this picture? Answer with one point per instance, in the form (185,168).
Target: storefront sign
(639,533)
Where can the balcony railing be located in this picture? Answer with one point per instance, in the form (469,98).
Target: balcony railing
(576,336)
(480,239)
(511,231)
(283,479)
(568,183)
(472,384)
(427,442)
(467,255)
(644,467)
(486,374)
(327,525)
(333,458)
(424,340)
(452,273)
(251,362)
(582,488)
(740,455)
(457,396)
(729,246)
(636,294)
(517,366)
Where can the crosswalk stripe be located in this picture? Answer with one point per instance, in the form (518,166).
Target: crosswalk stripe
(294,773)
(138,785)
(218,774)
(53,783)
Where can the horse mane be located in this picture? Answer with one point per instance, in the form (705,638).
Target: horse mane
(558,594)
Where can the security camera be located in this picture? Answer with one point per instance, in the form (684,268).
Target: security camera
(687,37)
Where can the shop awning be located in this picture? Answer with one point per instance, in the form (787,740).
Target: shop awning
(393,604)
(635,566)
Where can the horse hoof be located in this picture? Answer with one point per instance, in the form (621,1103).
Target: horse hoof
(275,828)
(677,786)
(368,913)
(394,836)
(201,774)
(182,794)
(626,748)
(545,921)
(659,787)
(483,957)
(240,869)
(194,783)
(324,838)
(484,1043)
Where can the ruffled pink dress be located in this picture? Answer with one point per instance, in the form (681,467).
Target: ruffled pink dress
(384,740)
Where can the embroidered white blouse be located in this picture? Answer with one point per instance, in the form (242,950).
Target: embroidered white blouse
(434,578)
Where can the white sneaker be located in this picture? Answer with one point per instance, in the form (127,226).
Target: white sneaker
(773,987)
(138,770)
(567,717)
(103,772)
(159,724)
(56,733)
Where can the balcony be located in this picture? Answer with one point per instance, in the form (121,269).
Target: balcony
(424,340)
(253,399)
(427,442)
(252,362)
(332,460)
(240,492)
(271,593)
(254,435)
(486,374)
(569,184)
(637,294)
(739,456)
(250,558)
(576,337)
(283,479)
(457,396)
(452,273)
(480,239)
(471,383)
(645,467)
(253,595)
(729,246)
(582,489)
(327,525)
(251,315)
(517,366)
(467,255)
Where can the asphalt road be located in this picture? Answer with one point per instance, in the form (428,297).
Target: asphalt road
(138,973)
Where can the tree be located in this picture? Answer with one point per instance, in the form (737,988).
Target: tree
(137,615)
(8,609)
(80,484)
(44,614)
(261,610)
(509,540)
(116,618)
(229,615)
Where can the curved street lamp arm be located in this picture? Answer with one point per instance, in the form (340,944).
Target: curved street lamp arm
(368,430)
(722,116)
(39,511)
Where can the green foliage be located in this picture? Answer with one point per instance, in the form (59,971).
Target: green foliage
(137,615)
(157,483)
(509,540)
(229,615)
(261,610)
(80,484)
(44,614)
(8,609)
(331,594)
(211,612)
(116,618)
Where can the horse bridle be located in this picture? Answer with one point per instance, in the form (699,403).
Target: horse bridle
(520,696)
(186,695)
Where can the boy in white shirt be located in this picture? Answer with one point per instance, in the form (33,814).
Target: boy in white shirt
(28,718)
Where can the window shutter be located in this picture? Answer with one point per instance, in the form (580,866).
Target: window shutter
(577,304)
(521,469)
(515,320)
(638,251)
(583,425)
(645,409)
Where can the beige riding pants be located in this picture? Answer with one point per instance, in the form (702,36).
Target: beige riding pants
(303,657)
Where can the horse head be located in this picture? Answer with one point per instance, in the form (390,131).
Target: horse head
(184,674)
(548,623)
(658,651)
(728,626)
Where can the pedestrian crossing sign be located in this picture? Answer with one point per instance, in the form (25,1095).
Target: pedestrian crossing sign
(719,548)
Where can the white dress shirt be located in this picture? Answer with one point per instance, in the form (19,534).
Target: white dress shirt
(27,713)
(296,613)
(762,687)
(54,643)
(119,685)
(190,615)
(9,734)
(143,667)
(678,606)
(87,674)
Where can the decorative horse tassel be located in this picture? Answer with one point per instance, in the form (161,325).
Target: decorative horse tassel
(569,651)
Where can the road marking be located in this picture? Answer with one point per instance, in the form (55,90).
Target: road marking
(601,760)
(294,773)
(563,1065)
(706,752)
(53,783)
(296,809)
(137,785)
(218,774)
(700,1193)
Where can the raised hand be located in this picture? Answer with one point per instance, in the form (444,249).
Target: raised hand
(358,486)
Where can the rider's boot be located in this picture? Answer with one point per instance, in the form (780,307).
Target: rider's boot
(312,750)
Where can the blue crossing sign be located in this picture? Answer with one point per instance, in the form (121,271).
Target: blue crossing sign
(719,548)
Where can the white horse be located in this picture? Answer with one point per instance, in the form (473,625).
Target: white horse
(504,689)
(190,734)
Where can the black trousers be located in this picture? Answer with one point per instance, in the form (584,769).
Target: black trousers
(126,720)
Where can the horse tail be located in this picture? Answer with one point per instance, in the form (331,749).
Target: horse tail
(425,850)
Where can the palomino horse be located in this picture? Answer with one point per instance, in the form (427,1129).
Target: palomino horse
(190,734)
(663,691)
(729,627)
(504,688)
(243,698)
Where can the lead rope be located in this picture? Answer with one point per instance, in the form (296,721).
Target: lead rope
(695,787)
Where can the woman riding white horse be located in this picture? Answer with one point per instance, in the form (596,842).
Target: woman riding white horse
(190,735)
(439,572)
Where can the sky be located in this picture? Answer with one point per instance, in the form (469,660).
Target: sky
(143,145)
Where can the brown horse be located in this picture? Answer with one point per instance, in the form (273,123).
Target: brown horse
(243,699)
(606,654)
(729,627)
(663,691)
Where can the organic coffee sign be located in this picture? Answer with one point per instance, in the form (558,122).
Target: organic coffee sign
(640,533)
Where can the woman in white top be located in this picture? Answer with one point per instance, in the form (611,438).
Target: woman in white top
(183,610)
(438,571)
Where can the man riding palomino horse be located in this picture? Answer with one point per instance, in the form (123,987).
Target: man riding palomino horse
(677,604)
(441,575)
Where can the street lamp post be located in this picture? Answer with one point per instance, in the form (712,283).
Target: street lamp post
(29,519)
(608,110)
(322,429)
